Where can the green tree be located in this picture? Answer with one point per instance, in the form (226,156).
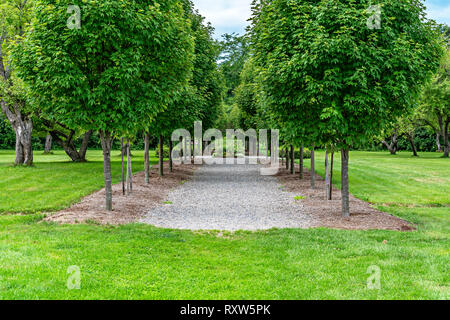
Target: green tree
(434,110)
(332,73)
(113,71)
(14,15)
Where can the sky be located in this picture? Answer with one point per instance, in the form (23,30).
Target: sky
(228,16)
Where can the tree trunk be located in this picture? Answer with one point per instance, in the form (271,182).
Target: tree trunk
(122,152)
(301,162)
(170,155)
(84,145)
(393,146)
(345,185)
(327,175)
(413,145)
(287,158)
(106,140)
(330,189)
(147,157)
(129,170)
(438,142)
(313,168)
(48,144)
(292,159)
(161,155)
(23,127)
(446,146)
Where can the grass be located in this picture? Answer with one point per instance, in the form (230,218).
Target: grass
(143,262)
(54,182)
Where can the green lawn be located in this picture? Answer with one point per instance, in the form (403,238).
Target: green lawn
(143,262)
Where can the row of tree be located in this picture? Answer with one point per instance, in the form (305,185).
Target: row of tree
(126,68)
(324,77)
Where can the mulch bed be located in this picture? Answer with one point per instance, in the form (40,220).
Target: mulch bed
(126,209)
(328,213)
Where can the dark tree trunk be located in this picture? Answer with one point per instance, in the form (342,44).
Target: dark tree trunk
(161,155)
(48,144)
(446,146)
(413,145)
(292,159)
(301,162)
(66,142)
(345,185)
(313,168)
(147,157)
(330,190)
(122,152)
(287,158)
(170,155)
(106,140)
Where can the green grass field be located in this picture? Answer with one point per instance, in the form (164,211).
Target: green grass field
(143,262)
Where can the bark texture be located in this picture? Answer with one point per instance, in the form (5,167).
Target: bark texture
(344,181)
(48,144)
(106,140)
(292,159)
(313,168)
(393,145)
(161,155)
(301,163)
(147,158)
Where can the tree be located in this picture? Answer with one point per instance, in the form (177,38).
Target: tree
(327,69)
(113,71)
(14,15)
(234,53)
(434,110)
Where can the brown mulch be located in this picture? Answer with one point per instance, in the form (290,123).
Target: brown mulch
(328,213)
(126,209)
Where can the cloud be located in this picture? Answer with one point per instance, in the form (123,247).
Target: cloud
(229,16)
(225,15)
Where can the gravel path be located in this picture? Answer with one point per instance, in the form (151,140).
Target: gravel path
(229,197)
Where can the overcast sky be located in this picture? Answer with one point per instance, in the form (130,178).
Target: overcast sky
(229,16)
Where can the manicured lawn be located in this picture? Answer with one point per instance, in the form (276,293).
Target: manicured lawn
(143,262)
(55,182)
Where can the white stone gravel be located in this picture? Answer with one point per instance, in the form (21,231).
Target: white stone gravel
(231,198)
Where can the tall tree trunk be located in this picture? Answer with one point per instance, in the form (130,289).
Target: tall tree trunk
(122,152)
(344,181)
(327,174)
(170,155)
(129,170)
(313,168)
(106,140)
(161,155)
(438,142)
(147,157)
(292,159)
(48,144)
(287,158)
(301,162)
(330,189)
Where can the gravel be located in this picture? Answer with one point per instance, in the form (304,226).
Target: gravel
(229,198)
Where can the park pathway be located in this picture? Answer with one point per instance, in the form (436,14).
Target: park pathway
(229,197)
